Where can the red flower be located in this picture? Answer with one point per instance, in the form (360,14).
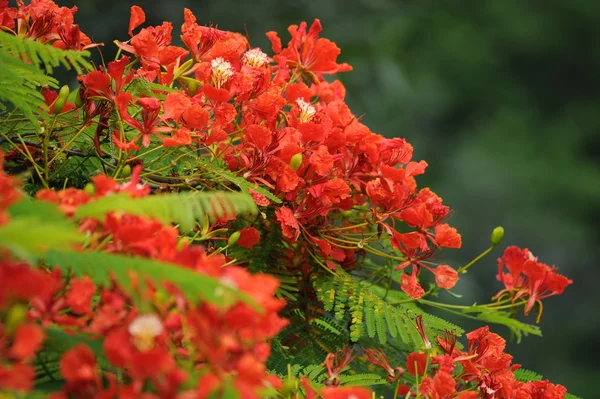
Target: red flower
(259,136)
(345,393)
(415,363)
(27,341)
(446,236)
(79,297)
(289,224)
(137,18)
(307,51)
(529,278)
(78,364)
(410,285)
(445,276)
(322,161)
(335,363)
(377,357)
(249,237)
(16,377)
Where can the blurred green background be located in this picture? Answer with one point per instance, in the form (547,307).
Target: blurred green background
(501,98)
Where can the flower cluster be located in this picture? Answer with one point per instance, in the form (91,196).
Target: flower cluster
(484,371)
(44,21)
(218,114)
(527,279)
(280,125)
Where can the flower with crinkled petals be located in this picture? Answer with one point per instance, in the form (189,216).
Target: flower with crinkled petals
(307,51)
(410,285)
(345,393)
(415,363)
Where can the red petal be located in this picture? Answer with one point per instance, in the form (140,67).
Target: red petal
(137,18)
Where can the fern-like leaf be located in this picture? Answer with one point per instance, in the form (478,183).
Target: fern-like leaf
(243,184)
(100,266)
(369,315)
(181,208)
(36,227)
(44,55)
(25,65)
(517,327)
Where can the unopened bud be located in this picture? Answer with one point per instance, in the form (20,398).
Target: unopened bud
(14,317)
(233,238)
(290,386)
(296,161)
(497,235)
(182,243)
(126,171)
(61,100)
(90,189)
(346,214)
(78,98)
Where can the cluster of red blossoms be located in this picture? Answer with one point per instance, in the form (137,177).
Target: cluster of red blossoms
(528,279)
(224,344)
(484,371)
(336,188)
(274,120)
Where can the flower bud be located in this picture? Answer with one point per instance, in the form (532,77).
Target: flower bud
(497,235)
(61,100)
(290,386)
(183,241)
(296,161)
(14,317)
(233,238)
(126,171)
(78,98)
(90,189)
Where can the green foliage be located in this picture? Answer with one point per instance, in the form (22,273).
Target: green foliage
(36,227)
(25,63)
(101,266)
(371,316)
(242,183)
(181,208)
(516,327)
(527,375)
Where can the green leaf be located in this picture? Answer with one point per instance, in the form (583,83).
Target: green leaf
(36,227)
(525,375)
(99,266)
(182,208)
(242,183)
(21,74)
(516,327)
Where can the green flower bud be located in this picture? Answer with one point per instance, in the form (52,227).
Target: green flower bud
(90,189)
(78,99)
(61,100)
(290,386)
(126,171)
(14,317)
(346,214)
(296,161)
(192,86)
(497,235)
(233,238)
(182,242)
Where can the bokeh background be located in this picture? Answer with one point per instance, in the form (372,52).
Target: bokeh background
(501,98)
